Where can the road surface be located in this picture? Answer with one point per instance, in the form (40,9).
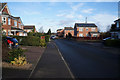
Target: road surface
(86,61)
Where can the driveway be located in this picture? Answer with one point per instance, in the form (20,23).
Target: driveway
(86,61)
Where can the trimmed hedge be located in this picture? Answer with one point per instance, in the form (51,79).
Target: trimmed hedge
(115,43)
(47,37)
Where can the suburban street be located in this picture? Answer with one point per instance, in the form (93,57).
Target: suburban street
(86,61)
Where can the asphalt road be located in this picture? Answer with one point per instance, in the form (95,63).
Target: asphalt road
(86,61)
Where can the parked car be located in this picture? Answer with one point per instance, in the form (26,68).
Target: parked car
(53,37)
(11,42)
(107,39)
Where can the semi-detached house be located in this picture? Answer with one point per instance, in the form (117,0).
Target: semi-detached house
(86,30)
(10,25)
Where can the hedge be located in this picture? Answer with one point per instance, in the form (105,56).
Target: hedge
(115,43)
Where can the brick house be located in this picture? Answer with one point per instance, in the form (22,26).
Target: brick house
(10,25)
(29,28)
(60,32)
(115,29)
(68,30)
(86,30)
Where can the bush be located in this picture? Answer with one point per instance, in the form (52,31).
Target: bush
(15,53)
(19,61)
(47,37)
(31,41)
(110,42)
(42,43)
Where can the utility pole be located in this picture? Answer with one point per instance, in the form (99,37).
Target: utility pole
(119,10)
(86,20)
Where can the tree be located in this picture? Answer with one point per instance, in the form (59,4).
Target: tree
(69,35)
(49,32)
(41,29)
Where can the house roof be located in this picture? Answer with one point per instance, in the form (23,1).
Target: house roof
(68,28)
(117,20)
(29,26)
(59,29)
(2,5)
(85,25)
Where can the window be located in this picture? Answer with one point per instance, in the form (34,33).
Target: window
(8,21)
(93,29)
(4,20)
(80,29)
(15,23)
(86,29)
(117,24)
(19,25)
(95,35)
(87,34)
(80,35)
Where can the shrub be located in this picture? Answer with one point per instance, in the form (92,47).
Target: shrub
(47,37)
(42,43)
(31,41)
(19,61)
(15,53)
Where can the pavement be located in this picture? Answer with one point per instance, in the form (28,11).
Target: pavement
(87,61)
(51,65)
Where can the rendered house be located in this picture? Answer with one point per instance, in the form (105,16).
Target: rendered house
(86,30)
(29,28)
(68,30)
(10,25)
(115,29)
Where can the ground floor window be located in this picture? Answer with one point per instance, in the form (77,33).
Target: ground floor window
(80,35)
(95,35)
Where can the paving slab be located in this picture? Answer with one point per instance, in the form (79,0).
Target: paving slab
(51,65)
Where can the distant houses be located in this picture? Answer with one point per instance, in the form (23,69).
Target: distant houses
(11,25)
(115,29)
(29,28)
(68,30)
(86,30)
(80,30)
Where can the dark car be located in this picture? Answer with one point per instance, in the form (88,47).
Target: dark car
(107,39)
(12,42)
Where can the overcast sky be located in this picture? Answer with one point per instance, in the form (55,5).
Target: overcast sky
(56,15)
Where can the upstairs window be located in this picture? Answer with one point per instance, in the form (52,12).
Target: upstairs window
(93,29)
(80,29)
(86,29)
(19,25)
(4,20)
(9,21)
(15,23)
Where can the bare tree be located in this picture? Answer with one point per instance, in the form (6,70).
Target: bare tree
(108,28)
(41,29)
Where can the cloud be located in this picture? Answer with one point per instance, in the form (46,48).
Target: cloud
(76,7)
(67,22)
(103,20)
(88,11)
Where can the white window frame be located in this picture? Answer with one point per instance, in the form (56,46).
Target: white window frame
(9,21)
(87,29)
(93,29)
(95,35)
(80,35)
(15,23)
(19,25)
(80,29)
(4,20)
